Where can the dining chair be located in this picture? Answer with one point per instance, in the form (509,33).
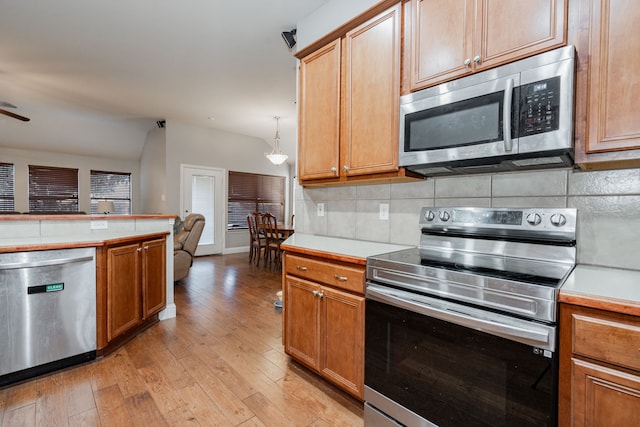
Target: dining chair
(273,237)
(258,242)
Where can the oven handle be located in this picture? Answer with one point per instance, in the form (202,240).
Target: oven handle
(453,313)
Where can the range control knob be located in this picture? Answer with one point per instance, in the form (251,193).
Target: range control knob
(534,219)
(444,216)
(429,216)
(558,220)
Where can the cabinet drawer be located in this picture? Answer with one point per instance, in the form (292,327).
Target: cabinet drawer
(607,340)
(343,276)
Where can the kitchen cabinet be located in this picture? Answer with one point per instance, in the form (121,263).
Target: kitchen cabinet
(324,319)
(459,37)
(599,367)
(131,286)
(607,40)
(349,104)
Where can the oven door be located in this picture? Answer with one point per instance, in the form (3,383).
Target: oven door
(433,361)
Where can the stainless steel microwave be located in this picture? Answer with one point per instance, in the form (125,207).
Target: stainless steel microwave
(513,117)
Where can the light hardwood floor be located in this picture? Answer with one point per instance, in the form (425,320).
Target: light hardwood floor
(219,362)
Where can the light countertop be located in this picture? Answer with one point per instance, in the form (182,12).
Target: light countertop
(17,244)
(348,250)
(604,288)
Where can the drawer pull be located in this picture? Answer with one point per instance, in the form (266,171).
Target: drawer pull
(301,268)
(318,294)
(340,278)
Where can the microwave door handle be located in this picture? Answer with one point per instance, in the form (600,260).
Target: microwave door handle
(506,115)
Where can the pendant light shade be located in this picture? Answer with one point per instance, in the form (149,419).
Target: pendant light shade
(277,157)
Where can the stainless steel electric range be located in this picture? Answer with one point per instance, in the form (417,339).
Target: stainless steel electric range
(462,330)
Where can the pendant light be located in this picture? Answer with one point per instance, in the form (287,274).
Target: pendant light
(277,157)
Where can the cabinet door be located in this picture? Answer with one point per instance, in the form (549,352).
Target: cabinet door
(369,142)
(508,30)
(154,287)
(614,80)
(342,323)
(319,113)
(123,289)
(441,41)
(604,397)
(301,321)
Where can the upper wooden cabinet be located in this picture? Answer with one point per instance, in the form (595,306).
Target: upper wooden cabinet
(319,115)
(457,37)
(370,108)
(349,104)
(607,39)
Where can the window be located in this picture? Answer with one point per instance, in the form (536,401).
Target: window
(7,188)
(249,193)
(53,189)
(111,186)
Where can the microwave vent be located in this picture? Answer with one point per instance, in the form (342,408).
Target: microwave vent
(538,161)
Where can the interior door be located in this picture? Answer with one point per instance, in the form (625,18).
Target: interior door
(203,192)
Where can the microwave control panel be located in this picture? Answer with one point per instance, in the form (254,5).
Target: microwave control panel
(539,107)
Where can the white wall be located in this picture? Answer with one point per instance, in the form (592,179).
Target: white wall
(327,18)
(198,146)
(23,158)
(153,187)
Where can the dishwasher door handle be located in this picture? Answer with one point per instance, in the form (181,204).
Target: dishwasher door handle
(44,263)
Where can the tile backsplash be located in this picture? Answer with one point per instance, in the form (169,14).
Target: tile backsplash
(608,204)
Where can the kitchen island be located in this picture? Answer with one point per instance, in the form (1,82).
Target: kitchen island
(126,285)
(30,232)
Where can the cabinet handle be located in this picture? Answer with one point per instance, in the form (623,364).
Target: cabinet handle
(146,248)
(334,169)
(476,59)
(139,249)
(340,278)
(320,294)
(301,268)
(315,293)
(467,62)
(345,168)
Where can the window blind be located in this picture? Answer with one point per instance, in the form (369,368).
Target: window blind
(250,193)
(53,189)
(7,188)
(111,186)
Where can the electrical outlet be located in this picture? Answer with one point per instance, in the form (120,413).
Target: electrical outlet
(384,211)
(320,209)
(99,225)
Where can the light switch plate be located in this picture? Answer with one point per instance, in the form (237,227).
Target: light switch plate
(384,211)
(320,209)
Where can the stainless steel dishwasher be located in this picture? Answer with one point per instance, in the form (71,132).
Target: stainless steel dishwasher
(47,311)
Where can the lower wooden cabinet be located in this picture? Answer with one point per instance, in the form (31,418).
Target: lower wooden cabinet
(131,286)
(599,368)
(324,323)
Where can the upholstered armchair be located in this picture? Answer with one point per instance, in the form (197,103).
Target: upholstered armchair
(185,243)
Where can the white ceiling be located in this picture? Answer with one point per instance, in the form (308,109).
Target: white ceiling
(95,76)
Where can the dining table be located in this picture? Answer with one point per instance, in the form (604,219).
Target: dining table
(285,230)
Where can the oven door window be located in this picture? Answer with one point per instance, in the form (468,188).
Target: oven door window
(456,376)
(472,121)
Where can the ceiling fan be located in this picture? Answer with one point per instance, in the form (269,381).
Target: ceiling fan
(4,105)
